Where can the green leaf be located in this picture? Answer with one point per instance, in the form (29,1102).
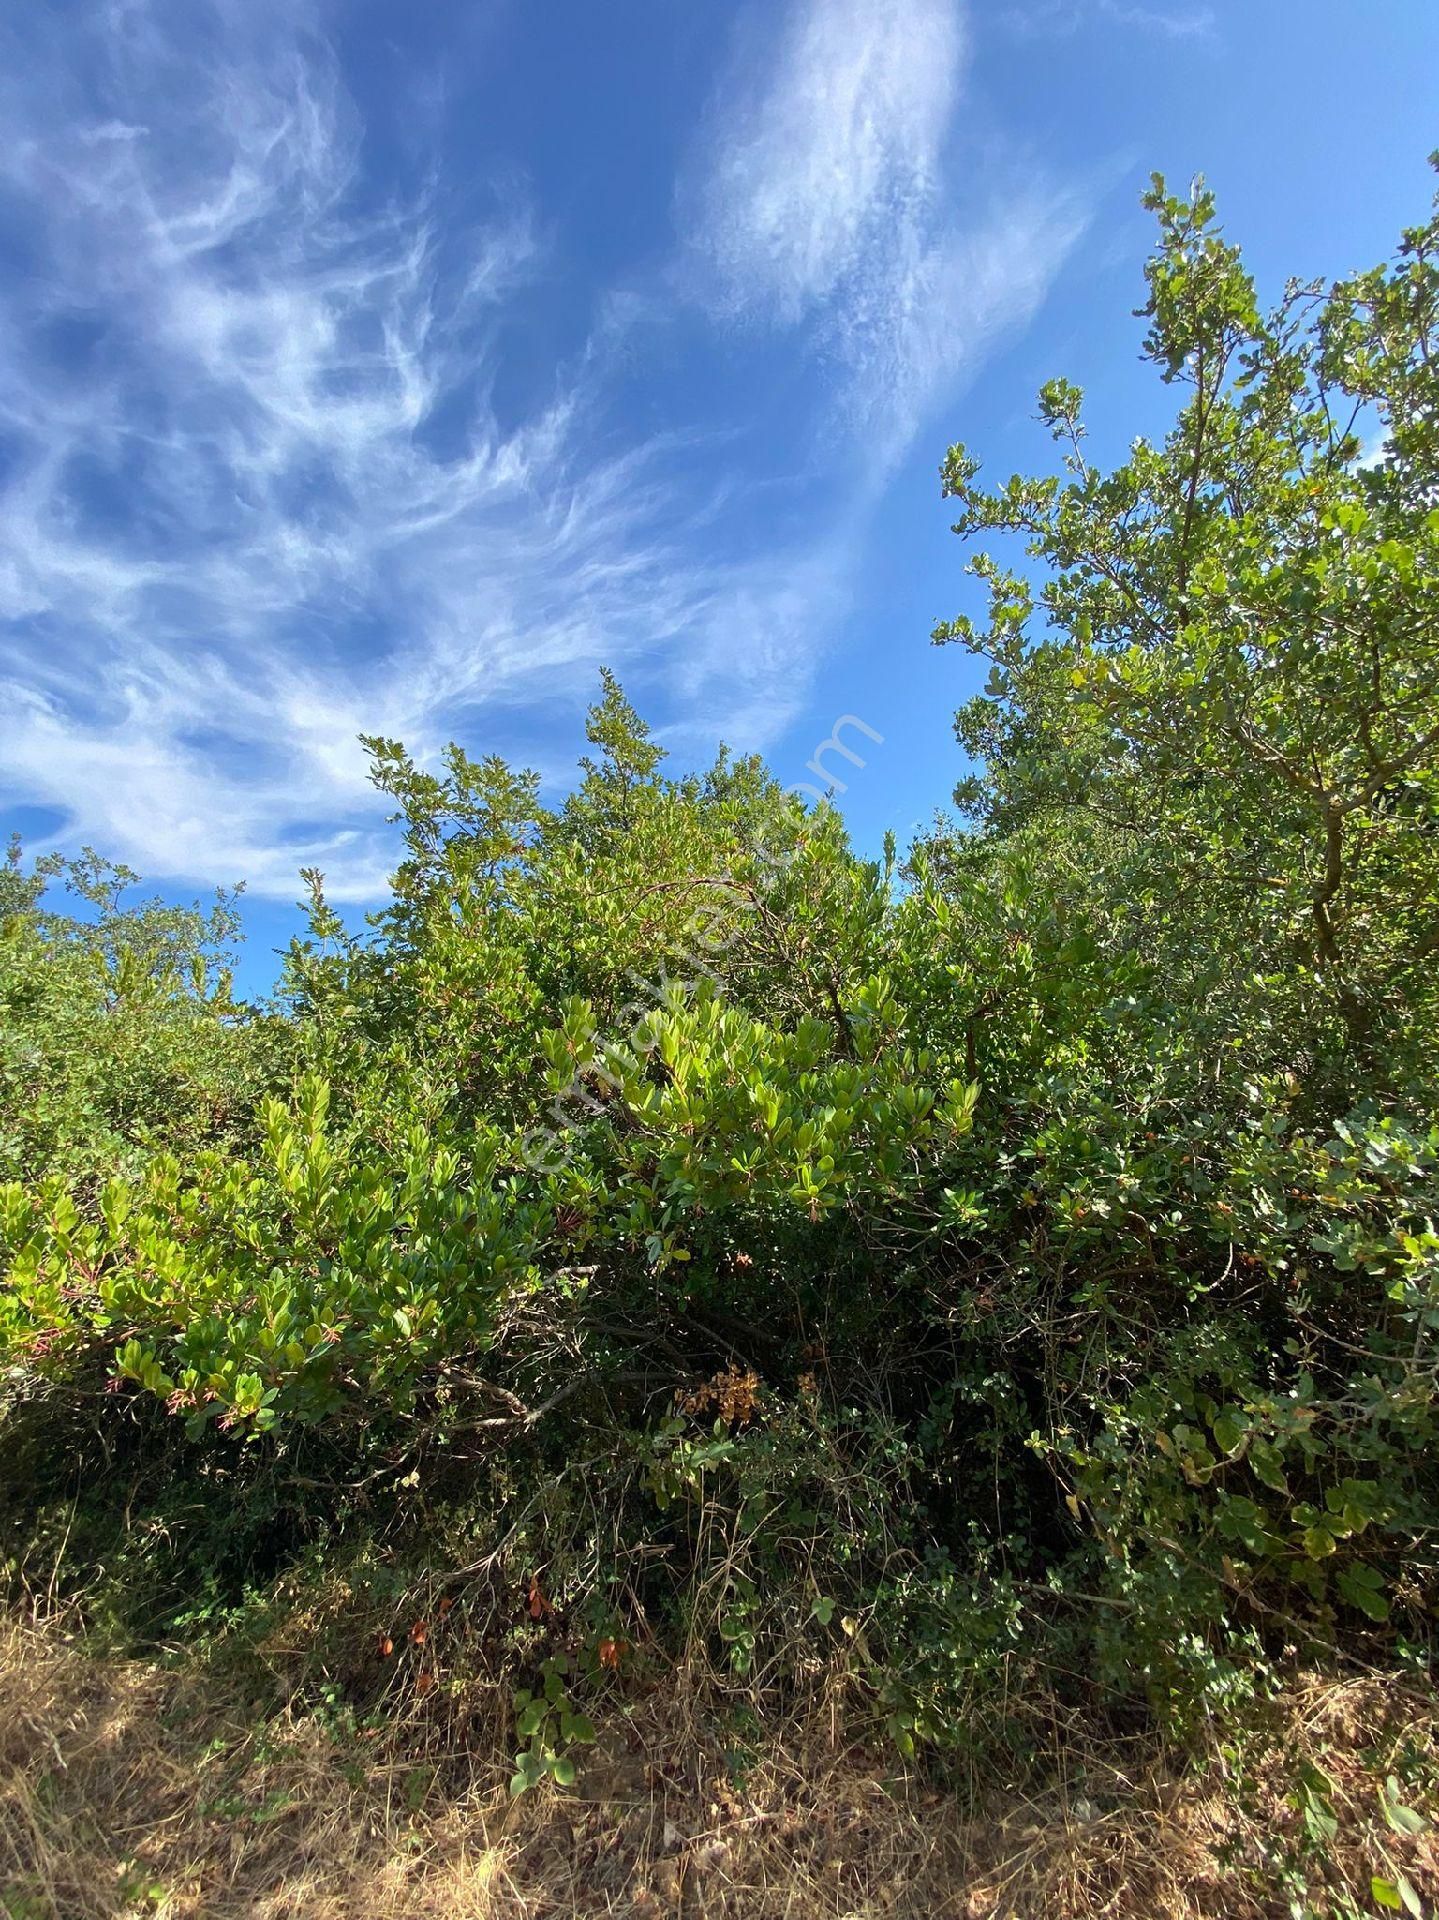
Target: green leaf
(531,1719)
(1402,1819)
(1268,1465)
(1363,1588)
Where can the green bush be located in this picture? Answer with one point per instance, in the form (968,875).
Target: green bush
(251,1291)
(1063,1200)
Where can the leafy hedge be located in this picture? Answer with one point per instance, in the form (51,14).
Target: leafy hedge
(1042,1231)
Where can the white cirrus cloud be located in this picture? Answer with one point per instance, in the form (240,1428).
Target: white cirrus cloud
(256,492)
(823,195)
(1051,18)
(254,496)
(823,148)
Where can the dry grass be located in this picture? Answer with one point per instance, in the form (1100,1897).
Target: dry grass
(128,1789)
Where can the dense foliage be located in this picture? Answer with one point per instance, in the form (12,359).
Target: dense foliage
(1021,1259)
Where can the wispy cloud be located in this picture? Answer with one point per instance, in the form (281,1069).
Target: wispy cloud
(255,492)
(823,195)
(823,145)
(255,496)
(1048,18)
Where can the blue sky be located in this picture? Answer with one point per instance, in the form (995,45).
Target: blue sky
(383,367)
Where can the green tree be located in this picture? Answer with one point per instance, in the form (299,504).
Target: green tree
(1230,673)
(118,1029)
